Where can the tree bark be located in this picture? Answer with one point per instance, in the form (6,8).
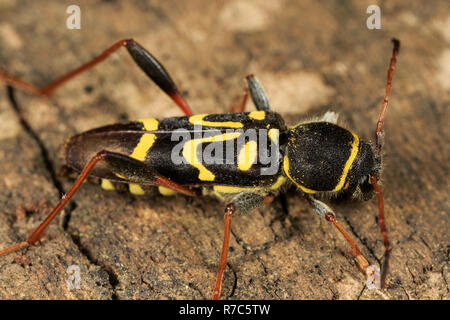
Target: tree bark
(311,57)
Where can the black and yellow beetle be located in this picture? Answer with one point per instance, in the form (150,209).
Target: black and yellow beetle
(254,154)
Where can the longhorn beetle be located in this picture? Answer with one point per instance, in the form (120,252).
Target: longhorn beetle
(319,157)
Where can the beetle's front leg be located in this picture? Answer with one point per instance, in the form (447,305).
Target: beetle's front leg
(372,272)
(242,203)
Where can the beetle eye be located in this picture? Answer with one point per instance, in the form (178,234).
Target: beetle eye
(366,188)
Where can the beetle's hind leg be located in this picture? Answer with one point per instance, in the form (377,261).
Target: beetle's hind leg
(372,272)
(144,59)
(127,168)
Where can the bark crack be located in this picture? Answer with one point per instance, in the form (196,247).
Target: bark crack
(43,150)
(361,292)
(233,289)
(113,279)
(445,281)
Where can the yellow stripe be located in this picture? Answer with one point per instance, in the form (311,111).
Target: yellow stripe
(257,115)
(198,120)
(150,124)
(190,153)
(136,189)
(120,176)
(286,170)
(147,139)
(278,183)
(247,155)
(231,189)
(144,144)
(107,185)
(348,164)
(166,191)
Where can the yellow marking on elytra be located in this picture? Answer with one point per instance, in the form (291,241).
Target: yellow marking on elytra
(107,185)
(286,170)
(136,189)
(198,120)
(274,135)
(232,189)
(278,183)
(166,191)
(120,176)
(150,124)
(190,153)
(348,164)
(257,115)
(144,144)
(146,141)
(247,155)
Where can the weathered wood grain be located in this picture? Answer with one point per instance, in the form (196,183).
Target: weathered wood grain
(311,56)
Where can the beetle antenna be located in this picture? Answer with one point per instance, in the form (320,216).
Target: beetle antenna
(384,104)
(374,178)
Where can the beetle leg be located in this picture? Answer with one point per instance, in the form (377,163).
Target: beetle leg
(324,211)
(382,224)
(152,67)
(138,172)
(155,70)
(257,93)
(240,101)
(119,164)
(242,203)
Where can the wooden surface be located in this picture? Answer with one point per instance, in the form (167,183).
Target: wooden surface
(311,56)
